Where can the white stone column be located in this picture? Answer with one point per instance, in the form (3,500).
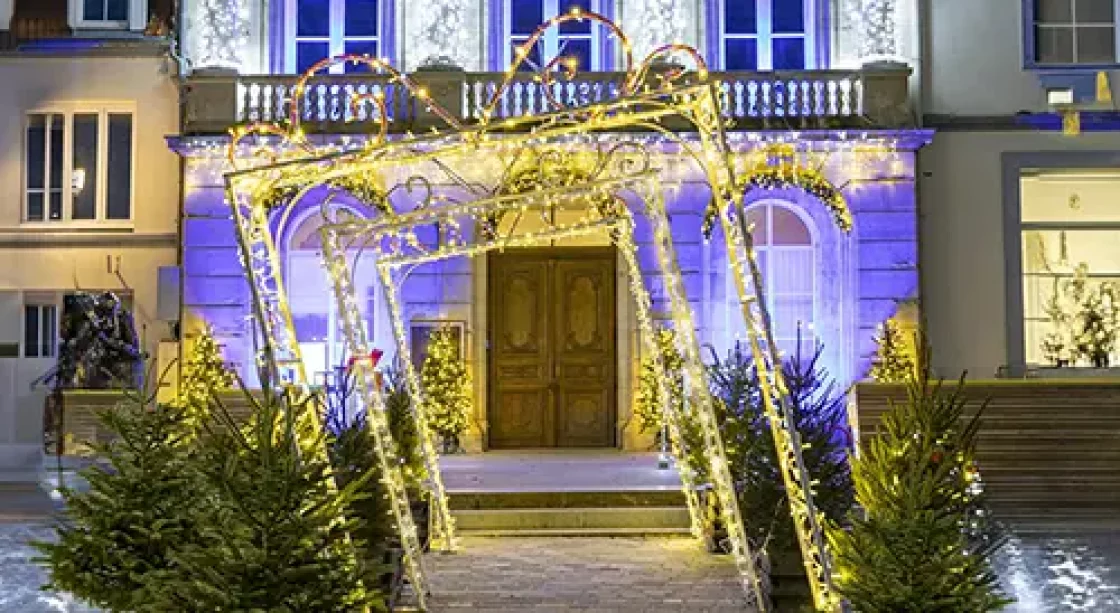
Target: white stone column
(224,34)
(652,23)
(441,33)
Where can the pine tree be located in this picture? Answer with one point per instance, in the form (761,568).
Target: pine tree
(893,362)
(819,413)
(141,505)
(204,373)
(276,537)
(919,543)
(447,388)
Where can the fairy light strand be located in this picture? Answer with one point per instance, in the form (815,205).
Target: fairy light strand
(280,156)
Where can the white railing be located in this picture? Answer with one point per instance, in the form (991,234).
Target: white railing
(216,102)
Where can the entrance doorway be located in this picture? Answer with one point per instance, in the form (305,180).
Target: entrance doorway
(552,339)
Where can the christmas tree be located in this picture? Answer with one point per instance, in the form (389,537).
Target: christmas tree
(447,388)
(274,536)
(138,510)
(893,362)
(921,541)
(204,373)
(650,406)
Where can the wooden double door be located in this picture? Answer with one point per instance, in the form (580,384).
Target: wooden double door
(552,348)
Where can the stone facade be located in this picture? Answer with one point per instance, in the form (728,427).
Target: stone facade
(860,278)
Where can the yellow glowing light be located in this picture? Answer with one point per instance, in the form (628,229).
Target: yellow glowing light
(297,165)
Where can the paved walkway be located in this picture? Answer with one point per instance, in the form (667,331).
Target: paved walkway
(604,575)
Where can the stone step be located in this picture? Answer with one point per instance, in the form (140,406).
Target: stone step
(575,499)
(583,532)
(630,520)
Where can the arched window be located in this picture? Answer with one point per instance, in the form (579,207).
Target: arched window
(786,254)
(311,298)
(318,29)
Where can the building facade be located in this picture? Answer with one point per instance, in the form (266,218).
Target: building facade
(88,191)
(1019,186)
(797,74)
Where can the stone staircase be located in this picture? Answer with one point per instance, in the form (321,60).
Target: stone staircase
(649,512)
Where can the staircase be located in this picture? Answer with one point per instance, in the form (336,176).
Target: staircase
(648,512)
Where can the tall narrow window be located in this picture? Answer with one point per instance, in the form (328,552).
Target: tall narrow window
(78,166)
(40,330)
(327,28)
(767,34)
(787,260)
(573,39)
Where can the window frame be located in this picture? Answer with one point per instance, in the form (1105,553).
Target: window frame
(769,280)
(101,199)
(135,17)
(812,34)
(336,39)
(1030,41)
(41,305)
(551,41)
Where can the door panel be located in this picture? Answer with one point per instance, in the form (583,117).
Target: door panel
(584,351)
(552,348)
(520,360)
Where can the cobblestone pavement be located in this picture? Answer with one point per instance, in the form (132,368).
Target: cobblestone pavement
(604,575)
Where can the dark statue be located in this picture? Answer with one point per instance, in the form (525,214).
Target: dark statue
(99,349)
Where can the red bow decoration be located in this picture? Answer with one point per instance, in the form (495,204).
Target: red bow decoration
(374,357)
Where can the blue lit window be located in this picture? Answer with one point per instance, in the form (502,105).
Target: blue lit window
(767,34)
(319,29)
(1073,32)
(581,40)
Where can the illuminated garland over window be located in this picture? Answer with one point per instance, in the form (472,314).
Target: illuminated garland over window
(785,175)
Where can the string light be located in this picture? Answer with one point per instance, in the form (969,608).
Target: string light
(223,29)
(437,35)
(878,38)
(623,164)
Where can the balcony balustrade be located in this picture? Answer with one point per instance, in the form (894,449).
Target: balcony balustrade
(872,97)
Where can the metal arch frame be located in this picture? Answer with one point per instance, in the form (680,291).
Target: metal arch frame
(699,104)
(335,241)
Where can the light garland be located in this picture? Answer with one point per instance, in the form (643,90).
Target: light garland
(654,22)
(878,36)
(222,31)
(298,163)
(436,34)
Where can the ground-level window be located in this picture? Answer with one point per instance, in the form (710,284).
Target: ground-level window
(40,330)
(1070,242)
(786,255)
(78,166)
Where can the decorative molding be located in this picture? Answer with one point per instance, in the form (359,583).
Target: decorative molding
(42,240)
